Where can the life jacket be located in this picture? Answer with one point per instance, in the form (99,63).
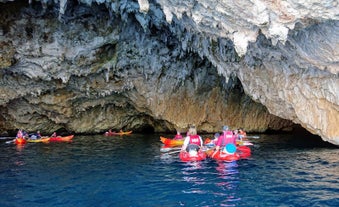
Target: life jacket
(178,136)
(195,139)
(227,138)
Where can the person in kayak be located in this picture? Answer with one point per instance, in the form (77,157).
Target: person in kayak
(178,136)
(213,142)
(54,134)
(227,137)
(19,134)
(216,137)
(193,142)
(242,133)
(236,134)
(36,135)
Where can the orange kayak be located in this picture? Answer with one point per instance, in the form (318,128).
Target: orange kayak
(61,139)
(171,142)
(20,141)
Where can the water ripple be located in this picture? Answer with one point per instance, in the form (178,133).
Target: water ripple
(131,171)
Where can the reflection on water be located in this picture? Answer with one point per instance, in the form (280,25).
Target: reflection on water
(19,147)
(228,175)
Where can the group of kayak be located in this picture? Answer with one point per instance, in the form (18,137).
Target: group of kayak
(228,146)
(23,137)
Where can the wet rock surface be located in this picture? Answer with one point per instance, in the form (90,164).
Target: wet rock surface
(163,65)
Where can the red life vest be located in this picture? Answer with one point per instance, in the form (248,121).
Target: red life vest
(230,138)
(195,139)
(226,138)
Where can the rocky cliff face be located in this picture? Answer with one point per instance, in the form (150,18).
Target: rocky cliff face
(88,66)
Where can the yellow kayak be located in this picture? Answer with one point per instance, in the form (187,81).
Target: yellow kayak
(43,139)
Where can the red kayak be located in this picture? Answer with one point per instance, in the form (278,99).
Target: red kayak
(223,156)
(189,157)
(244,151)
(61,139)
(20,141)
(233,154)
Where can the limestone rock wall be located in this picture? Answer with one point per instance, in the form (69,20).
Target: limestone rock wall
(91,65)
(289,53)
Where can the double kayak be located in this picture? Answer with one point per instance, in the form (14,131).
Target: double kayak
(43,139)
(172,142)
(192,156)
(52,139)
(117,133)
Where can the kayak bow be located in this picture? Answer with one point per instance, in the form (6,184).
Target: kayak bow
(172,142)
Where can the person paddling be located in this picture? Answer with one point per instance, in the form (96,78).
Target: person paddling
(19,134)
(36,135)
(227,137)
(242,134)
(193,142)
(178,136)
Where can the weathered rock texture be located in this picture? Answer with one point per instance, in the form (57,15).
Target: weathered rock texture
(86,66)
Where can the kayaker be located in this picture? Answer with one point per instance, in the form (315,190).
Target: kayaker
(25,134)
(109,132)
(54,134)
(216,137)
(236,134)
(37,135)
(242,133)
(193,141)
(227,137)
(19,134)
(178,136)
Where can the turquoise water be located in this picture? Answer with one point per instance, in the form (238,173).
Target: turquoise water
(284,170)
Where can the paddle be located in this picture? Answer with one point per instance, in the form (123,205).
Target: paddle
(207,149)
(166,149)
(10,141)
(255,137)
(169,153)
(7,138)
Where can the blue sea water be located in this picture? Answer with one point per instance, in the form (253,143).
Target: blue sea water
(283,170)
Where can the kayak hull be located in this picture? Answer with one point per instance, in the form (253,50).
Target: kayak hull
(187,157)
(223,156)
(44,139)
(172,142)
(117,133)
(20,141)
(61,139)
(242,152)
